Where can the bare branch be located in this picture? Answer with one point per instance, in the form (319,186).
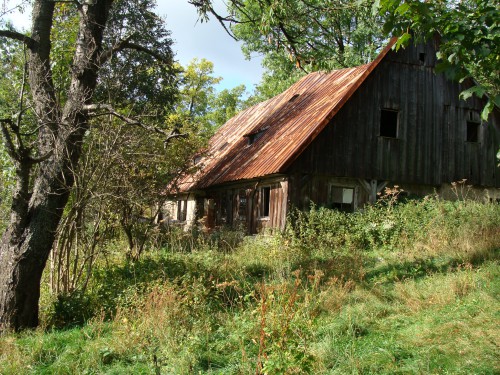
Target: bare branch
(29,42)
(91,108)
(126,44)
(205,7)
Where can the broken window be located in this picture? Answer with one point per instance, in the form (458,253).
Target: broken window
(342,198)
(265,201)
(472,131)
(389,123)
(181,209)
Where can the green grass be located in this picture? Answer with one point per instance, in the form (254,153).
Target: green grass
(398,289)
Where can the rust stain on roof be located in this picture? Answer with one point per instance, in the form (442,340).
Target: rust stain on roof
(266,138)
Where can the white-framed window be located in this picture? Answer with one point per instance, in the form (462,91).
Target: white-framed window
(342,198)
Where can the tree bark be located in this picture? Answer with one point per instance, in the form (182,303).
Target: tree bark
(26,244)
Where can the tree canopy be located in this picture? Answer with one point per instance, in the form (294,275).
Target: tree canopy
(332,34)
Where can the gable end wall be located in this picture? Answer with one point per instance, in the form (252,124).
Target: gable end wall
(430,148)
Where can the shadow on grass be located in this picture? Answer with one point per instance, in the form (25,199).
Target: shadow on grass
(420,268)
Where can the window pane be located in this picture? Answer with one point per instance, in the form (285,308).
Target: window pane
(348,195)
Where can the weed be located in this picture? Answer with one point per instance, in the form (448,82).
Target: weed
(398,288)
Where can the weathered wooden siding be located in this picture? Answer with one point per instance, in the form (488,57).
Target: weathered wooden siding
(239,205)
(430,148)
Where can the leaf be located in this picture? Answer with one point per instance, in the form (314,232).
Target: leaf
(488,108)
(453,58)
(376,7)
(479,91)
(402,41)
(403,8)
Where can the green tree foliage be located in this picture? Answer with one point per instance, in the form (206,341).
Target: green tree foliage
(225,105)
(197,85)
(298,36)
(469,33)
(12,71)
(199,101)
(314,34)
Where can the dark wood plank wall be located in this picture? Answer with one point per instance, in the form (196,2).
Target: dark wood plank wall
(227,211)
(307,189)
(431,147)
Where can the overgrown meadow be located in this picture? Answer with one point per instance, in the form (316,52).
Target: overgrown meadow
(408,288)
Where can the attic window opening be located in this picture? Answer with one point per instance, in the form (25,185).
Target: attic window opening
(295,96)
(389,123)
(223,146)
(252,138)
(197,159)
(472,131)
(421,57)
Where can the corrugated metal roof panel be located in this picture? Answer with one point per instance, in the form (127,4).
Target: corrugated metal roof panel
(267,137)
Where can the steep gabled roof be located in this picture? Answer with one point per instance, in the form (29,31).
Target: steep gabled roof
(266,138)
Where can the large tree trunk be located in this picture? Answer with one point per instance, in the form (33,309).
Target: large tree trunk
(35,215)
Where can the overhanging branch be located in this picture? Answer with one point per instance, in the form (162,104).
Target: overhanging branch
(109,110)
(205,7)
(29,42)
(127,44)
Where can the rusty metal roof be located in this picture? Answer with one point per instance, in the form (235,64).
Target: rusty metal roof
(266,138)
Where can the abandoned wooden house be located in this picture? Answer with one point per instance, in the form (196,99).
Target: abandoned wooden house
(337,139)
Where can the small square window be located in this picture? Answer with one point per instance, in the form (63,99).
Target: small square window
(342,198)
(389,123)
(265,201)
(472,131)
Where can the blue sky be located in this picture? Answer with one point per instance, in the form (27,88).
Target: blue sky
(202,40)
(210,41)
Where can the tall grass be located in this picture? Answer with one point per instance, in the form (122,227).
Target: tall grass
(397,288)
